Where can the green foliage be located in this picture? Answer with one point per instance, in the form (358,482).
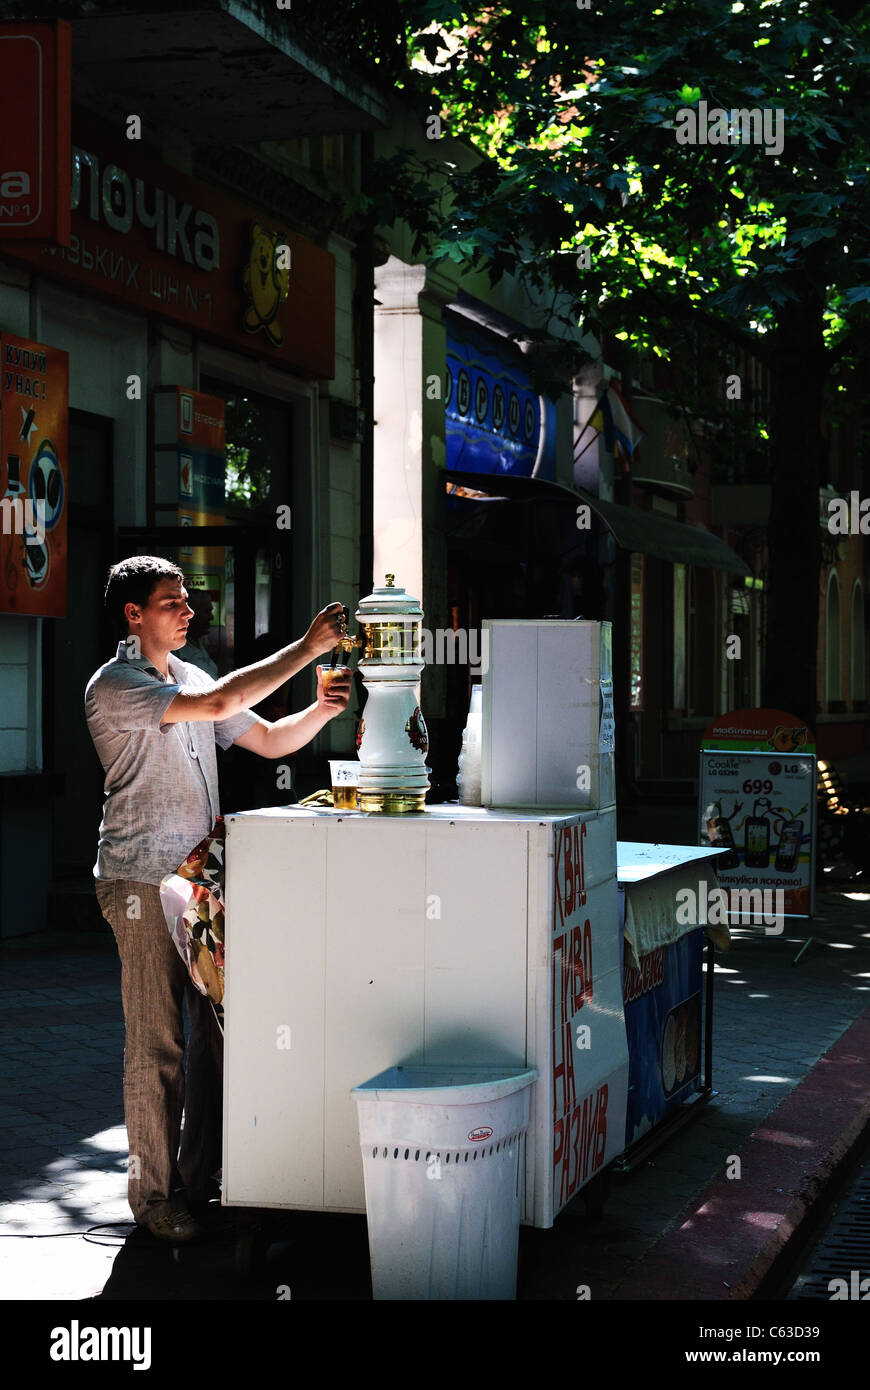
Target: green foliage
(575,112)
(249,464)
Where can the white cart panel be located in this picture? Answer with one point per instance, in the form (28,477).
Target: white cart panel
(368,941)
(274,956)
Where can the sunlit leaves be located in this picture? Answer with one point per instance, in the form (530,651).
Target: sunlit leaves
(575,111)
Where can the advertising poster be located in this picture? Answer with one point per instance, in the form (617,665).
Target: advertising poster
(34,397)
(761,804)
(760,731)
(201,472)
(210,589)
(190,490)
(757,791)
(663,1022)
(190,446)
(213,585)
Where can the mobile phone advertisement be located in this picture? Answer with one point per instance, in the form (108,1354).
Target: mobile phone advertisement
(760,807)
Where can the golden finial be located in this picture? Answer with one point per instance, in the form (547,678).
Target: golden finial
(391,579)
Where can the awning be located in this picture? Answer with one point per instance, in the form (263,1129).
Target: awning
(646,532)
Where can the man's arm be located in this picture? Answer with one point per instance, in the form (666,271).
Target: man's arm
(290,734)
(240,689)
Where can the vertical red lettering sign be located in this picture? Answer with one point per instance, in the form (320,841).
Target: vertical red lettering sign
(579,1124)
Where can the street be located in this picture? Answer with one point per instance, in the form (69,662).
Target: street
(63,1144)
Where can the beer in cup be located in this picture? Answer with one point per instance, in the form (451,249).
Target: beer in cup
(328,674)
(345,784)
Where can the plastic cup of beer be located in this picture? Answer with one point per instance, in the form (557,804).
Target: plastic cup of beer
(328,674)
(345,784)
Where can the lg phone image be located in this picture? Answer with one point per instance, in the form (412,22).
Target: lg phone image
(789,847)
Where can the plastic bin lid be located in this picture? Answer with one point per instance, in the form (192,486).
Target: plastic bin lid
(420,1084)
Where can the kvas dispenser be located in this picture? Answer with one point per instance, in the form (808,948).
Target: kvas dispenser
(392,741)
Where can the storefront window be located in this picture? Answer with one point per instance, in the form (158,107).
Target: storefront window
(257,447)
(740,672)
(262,592)
(833,691)
(703,628)
(259,480)
(679,637)
(859,688)
(637,632)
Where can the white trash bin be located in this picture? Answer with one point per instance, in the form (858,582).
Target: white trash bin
(444,1158)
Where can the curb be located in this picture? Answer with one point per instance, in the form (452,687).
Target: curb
(732,1237)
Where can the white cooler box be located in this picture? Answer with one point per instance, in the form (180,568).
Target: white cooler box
(457,936)
(548,714)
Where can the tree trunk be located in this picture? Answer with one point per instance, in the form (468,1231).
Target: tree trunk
(793,532)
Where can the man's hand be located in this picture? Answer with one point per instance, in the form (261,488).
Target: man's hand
(288,735)
(324,632)
(334,700)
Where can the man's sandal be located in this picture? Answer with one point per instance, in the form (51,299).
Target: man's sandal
(176,1226)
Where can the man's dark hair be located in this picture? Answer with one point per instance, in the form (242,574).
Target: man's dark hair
(133,581)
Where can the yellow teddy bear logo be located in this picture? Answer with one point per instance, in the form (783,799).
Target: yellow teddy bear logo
(266,280)
(787,740)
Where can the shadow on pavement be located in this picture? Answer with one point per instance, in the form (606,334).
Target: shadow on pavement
(260,1257)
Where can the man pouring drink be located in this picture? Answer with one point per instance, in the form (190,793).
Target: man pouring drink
(155,720)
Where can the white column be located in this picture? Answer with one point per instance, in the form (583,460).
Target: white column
(410,354)
(410,357)
(398,434)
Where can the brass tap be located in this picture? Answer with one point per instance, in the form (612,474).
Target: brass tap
(346,643)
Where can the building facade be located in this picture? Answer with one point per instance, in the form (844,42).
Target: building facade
(207,303)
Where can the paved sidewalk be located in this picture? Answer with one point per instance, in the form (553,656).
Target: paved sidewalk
(772,1023)
(63,1144)
(743,1221)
